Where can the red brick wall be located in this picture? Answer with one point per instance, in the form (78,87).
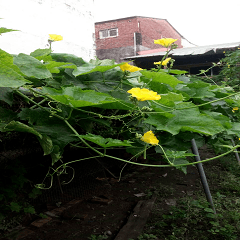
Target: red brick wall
(126,28)
(152,28)
(122,45)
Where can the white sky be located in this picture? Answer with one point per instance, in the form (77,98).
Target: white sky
(202,22)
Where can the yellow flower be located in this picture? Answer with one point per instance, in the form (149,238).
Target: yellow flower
(166,42)
(164,62)
(234,109)
(130,68)
(150,138)
(144,94)
(55,37)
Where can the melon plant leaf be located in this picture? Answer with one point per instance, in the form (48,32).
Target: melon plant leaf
(10,78)
(174,71)
(76,97)
(15,207)
(20,127)
(224,120)
(10,74)
(6,95)
(178,154)
(7,115)
(90,68)
(42,54)
(54,128)
(65,57)
(179,161)
(46,144)
(200,89)
(55,154)
(235,130)
(30,210)
(105,142)
(161,77)
(186,120)
(53,66)
(31,67)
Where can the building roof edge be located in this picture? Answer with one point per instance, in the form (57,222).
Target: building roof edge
(113,20)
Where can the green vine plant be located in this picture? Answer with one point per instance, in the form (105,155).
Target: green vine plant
(100,105)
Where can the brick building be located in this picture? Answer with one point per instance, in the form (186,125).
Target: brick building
(120,38)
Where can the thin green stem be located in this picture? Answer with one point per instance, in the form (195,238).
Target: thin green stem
(77,135)
(161,105)
(180,165)
(42,101)
(37,104)
(166,155)
(200,105)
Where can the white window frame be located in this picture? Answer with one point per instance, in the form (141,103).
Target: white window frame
(106,33)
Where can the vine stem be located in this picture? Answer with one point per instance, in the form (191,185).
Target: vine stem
(37,104)
(200,105)
(77,135)
(68,124)
(173,165)
(166,155)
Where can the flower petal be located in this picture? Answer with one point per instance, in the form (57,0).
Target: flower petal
(150,138)
(144,94)
(55,37)
(166,42)
(130,68)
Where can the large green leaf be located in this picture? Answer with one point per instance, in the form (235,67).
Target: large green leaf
(53,66)
(10,75)
(188,119)
(6,95)
(46,144)
(90,68)
(161,77)
(122,101)
(20,127)
(31,67)
(105,142)
(76,97)
(65,57)
(42,54)
(166,104)
(224,120)
(200,89)
(10,78)
(53,127)
(235,130)
(7,115)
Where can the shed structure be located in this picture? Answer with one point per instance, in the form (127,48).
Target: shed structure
(192,59)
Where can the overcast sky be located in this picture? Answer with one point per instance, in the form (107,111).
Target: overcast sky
(202,22)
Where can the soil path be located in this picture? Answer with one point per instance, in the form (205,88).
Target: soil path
(109,212)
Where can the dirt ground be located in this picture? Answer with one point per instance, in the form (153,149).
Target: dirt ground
(108,213)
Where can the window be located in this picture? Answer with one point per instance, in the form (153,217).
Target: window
(108,33)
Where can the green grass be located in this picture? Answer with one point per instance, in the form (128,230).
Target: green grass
(192,218)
